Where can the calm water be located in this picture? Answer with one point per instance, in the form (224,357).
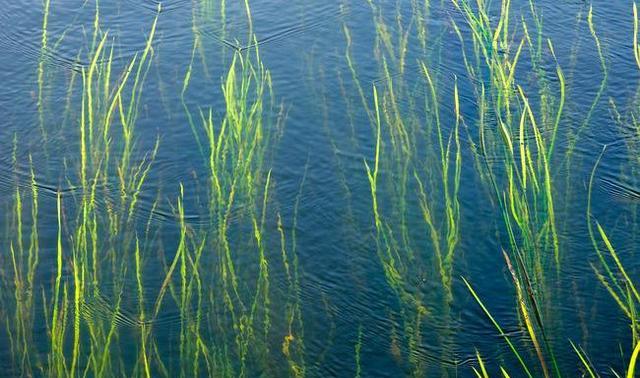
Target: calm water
(116,260)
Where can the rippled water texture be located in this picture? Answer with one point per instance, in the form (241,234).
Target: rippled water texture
(361,188)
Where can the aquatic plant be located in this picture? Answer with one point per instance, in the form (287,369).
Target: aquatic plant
(407,129)
(107,246)
(152,277)
(584,361)
(101,108)
(611,273)
(23,261)
(515,145)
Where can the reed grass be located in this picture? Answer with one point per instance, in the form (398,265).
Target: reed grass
(518,148)
(404,133)
(24,259)
(527,368)
(612,274)
(517,141)
(100,108)
(527,150)
(41,66)
(74,348)
(614,279)
(224,319)
(625,118)
(238,148)
(217,275)
(624,297)
(605,77)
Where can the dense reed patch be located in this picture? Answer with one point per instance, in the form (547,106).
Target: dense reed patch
(528,202)
(102,296)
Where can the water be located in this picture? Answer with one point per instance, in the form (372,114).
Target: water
(163,218)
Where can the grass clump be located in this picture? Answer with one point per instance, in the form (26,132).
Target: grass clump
(609,271)
(116,280)
(411,197)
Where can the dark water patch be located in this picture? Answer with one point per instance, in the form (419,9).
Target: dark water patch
(414,100)
(440,71)
(35,53)
(70,32)
(99,307)
(435,356)
(122,309)
(494,149)
(165,214)
(19,175)
(291,20)
(22,32)
(620,189)
(163,210)
(212,34)
(623,132)
(289,28)
(164,6)
(104,195)
(64,40)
